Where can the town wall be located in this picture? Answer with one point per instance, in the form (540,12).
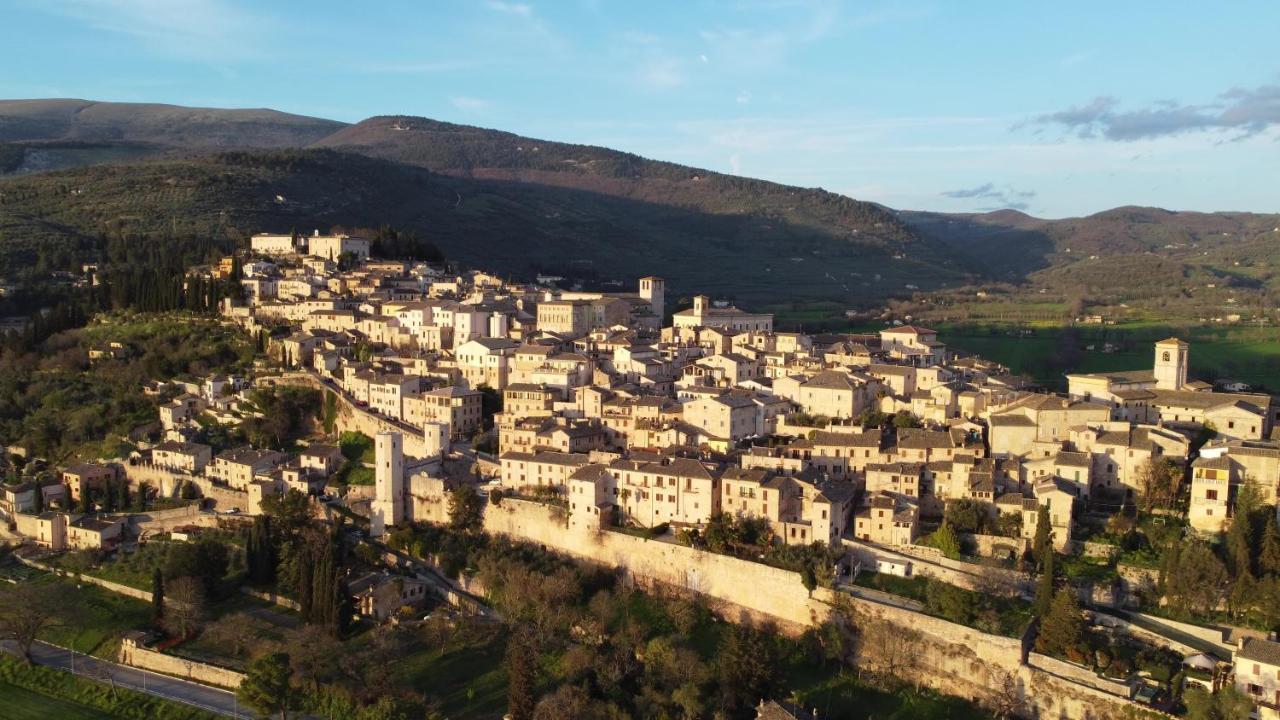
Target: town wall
(353,418)
(131,654)
(954,659)
(778,594)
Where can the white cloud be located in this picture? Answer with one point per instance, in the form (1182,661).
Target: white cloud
(469,104)
(1078,58)
(192,29)
(413,68)
(735,164)
(510,8)
(660,72)
(744,97)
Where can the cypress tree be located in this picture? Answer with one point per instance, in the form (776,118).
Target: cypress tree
(1044,587)
(157,596)
(1269,557)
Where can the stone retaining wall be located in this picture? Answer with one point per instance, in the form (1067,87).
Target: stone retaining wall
(953,659)
(139,657)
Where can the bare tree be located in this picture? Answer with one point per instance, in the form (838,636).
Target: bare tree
(29,609)
(1005,700)
(890,651)
(184,606)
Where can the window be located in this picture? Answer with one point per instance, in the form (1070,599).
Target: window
(1210,494)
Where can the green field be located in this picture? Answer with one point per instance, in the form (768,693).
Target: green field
(40,692)
(22,704)
(1250,355)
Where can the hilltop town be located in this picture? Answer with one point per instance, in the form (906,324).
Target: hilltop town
(1110,551)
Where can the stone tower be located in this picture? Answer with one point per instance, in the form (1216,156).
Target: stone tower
(1171,364)
(654,290)
(388,498)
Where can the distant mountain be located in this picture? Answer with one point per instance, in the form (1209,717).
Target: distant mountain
(43,135)
(479,153)
(80,170)
(166,125)
(56,219)
(1014,244)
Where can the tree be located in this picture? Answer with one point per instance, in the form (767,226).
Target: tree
(809,578)
(157,596)
(1269,556)
(1044,587)
(1240,534)
(184,609)
(746,668)
(466,514)
(260,552)
(29,609)
(1063,626)
(1157,482)
(205,559)
(1195,578)
(1226,704)
(266,685)
(968,515)
(522,675)
(945,539)
(140,497)
(955,604)
(904,420)
(37,500)
(290,514)
(1040,544)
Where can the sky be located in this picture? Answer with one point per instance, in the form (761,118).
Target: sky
(1057,109)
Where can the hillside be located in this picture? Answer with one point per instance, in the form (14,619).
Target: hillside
(79,171)
(42,135)
(171,125)
(493,155)
(56,220)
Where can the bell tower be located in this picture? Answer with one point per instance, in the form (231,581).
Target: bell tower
(1171,364)
(654,290)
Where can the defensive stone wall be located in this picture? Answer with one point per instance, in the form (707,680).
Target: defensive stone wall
(772,592)
(951,658)
(131,654)
(353,418)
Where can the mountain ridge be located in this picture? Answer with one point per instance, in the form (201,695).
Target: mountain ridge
(537,204)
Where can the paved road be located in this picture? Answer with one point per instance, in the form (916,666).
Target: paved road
(205,697)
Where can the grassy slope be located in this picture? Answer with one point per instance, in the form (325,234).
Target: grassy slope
(23,704)
(39,692)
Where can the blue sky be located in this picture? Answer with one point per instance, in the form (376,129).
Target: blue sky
(1055,108)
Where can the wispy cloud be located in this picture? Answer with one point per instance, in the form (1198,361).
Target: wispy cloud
(661,72)
(467,103)
(510,8)
(213,30)
(1005,197)
(1242,111)
(743,98)
(1078,58)
(414,68)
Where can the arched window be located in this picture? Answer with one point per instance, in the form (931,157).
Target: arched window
(1166,356)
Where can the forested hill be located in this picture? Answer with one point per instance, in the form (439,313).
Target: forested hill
(489,154)
(86,121)
(55,220)
(75,173)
